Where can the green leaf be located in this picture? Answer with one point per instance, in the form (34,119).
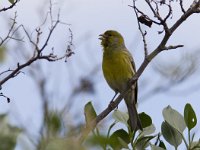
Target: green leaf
(154,147)
(148,130)
(195,145)
(11,1)
(174,118)
(8,134)
(162,144)
(61,144)
(7,142)
(145,120)
(170,134)
(190,116)
(110,128)
(120,117)
(54,122)
(119,139)
(99,140)
(143,142)
(90,113)
(122,143)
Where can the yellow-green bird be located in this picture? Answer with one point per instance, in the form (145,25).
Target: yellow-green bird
(118,68)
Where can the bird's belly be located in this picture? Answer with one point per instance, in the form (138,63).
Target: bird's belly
(117,72)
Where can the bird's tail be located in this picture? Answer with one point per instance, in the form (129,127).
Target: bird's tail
(134,119)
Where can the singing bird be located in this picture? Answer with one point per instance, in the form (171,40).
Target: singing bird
(118,68)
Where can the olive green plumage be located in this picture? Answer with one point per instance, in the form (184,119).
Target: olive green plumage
(118,68)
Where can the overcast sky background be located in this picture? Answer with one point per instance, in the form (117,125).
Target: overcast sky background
(88,19)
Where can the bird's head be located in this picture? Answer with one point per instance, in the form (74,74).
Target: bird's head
(111,39)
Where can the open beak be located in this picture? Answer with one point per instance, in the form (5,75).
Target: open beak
(101,36)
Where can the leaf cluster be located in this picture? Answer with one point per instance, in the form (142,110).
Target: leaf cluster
(172,131)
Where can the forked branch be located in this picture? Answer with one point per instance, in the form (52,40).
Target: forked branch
(148,58)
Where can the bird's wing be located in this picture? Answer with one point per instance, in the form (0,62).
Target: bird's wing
(134,69)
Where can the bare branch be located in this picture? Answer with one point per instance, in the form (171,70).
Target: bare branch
(30,39)
(37,55)
(181,5)
(172,47)
(11,32)
(7,98)
(10,7)
(169,12)
(155,12)
(189,12)
(49,35)
(157,15)
(9,70)
(196,6)
(140,29)
(69,51)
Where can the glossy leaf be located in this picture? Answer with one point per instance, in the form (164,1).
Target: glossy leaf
(145,120)
(90,113)
(154,147)
(148,130)
(162,144)
(174,118)
(190,116)
(11,1)
(119,139)
(143,142)
(171,135)
(99,140)
(195,145)
(120,116)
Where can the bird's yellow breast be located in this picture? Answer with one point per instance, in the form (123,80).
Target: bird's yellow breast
(117,69)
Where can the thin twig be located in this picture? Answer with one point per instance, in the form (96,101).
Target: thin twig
(172,47)
(37,55)
(157,15)
(7,98)
(140,29)
(143,14)
(11,31)
(181,5)
(169,12)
